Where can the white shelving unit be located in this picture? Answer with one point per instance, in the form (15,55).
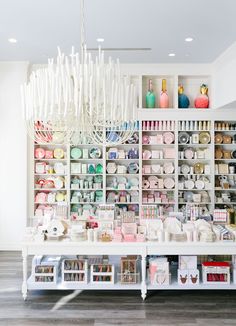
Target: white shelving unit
(173,114)
(105,183)
(225,145)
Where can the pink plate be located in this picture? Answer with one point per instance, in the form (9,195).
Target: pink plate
(188,153)
(147,155)
(39,153)
(168,137)
(145,139)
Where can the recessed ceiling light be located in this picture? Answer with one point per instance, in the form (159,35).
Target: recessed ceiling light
(171,54)
(188,39)
(12,40)
(100,39)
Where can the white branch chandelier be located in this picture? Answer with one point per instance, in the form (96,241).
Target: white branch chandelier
(78,95)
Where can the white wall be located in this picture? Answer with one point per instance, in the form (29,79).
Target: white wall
(13,162)
(225,78)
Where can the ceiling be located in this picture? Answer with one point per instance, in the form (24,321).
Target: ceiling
(162,25)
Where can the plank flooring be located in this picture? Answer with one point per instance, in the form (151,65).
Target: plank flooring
(107,308)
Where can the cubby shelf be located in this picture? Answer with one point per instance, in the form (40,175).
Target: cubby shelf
(175,127)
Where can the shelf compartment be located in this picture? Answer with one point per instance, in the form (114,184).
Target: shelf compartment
(157,87)
(192,85)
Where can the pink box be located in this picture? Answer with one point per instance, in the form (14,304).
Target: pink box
(117,230)
(129,228)
(145,200)
(129,238)
(147,169)
(117,238)
(169,153)
(140,237)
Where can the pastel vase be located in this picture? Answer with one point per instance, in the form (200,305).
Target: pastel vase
(183,100)
(150,96)
(164,98)
(202,100)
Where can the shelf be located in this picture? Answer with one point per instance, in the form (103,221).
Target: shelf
(234,145)
(50,189)
(188,174)
(202,203)
(125,203)
(226,159)
(85,145)
(80,285)
(86,203)
(230,189)
(120,145)
(120,174)
(162,174)
(86,159)
(122,159)
(160,145)
(86,174)
(89,189)
(114,189)
(195,159)
(159,131)
(50,174)
(159,159)
(194,130)
(156,203)
(200,286)
(226,203)
(50,159)
(194,189)
(156,189)
(47,203)
(195,145)
(233,131)
(232,174)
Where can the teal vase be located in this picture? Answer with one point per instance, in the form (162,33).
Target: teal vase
(150,97)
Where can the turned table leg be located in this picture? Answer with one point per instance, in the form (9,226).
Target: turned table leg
(24,284)
(143,285)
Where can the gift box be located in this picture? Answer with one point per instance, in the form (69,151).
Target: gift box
(216,272)
(169,153)
(183,276)
(147,169)
(155,154)
(188,276)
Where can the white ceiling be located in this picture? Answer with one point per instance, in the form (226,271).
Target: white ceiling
(162,25)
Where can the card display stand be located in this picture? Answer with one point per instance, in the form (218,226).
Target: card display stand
(102,273)
(74,270)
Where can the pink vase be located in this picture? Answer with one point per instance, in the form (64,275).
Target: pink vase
(202,100)
(164,99)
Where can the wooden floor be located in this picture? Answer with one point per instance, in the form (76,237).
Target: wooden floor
(108,307)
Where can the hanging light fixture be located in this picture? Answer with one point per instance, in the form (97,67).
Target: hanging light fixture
(76,97)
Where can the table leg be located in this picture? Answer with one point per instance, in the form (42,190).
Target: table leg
(143,285)
(24,284)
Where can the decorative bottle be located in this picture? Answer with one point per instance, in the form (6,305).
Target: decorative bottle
(164,99)
(183,100)
(150,96)
(202,100)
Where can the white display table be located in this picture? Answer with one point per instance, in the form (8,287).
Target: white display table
(120,249)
